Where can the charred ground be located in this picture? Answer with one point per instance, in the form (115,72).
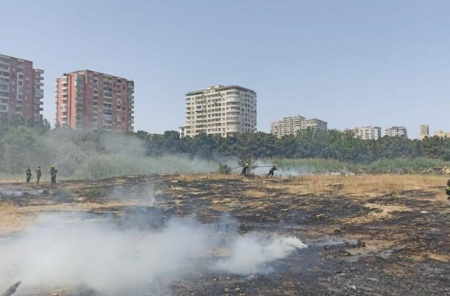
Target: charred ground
(367,235)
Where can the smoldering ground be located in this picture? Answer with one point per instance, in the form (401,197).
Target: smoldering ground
(85,252)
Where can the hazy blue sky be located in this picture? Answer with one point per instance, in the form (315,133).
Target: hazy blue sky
(351,63)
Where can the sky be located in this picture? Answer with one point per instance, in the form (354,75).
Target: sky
(348,62)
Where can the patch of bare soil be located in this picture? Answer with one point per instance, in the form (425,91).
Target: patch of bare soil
(367,235)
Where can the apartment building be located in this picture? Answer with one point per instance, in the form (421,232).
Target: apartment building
(424,131)
(397,131)
(293,124)
(288,126)
(367,132)
(220,110)
(21,89)
(314,123)
(95,101)
(442,134)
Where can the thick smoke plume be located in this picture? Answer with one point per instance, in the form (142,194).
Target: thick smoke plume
(80,252)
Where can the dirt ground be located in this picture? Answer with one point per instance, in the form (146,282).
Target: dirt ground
(367,235)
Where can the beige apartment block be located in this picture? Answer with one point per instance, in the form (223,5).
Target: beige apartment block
(220,110)
(288,126)
(397,131)
(442,134)
(293,124)
(314,123)
(424,131)
(367,132)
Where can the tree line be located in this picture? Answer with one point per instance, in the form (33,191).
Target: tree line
(332,144)
(22,145)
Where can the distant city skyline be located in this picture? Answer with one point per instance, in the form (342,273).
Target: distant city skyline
(351,63)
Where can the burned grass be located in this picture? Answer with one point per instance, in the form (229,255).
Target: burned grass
(367,235)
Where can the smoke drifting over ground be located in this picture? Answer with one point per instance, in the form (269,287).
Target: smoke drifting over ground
(251,253)
(298,169)
(81,252)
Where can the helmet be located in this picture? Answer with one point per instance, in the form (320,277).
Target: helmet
(275,165)
(52,166)
(246,163)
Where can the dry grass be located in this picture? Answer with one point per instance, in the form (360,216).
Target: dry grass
(11,218)
(373,185)
(15,218)
(379,212)
(199,177)
(360,188)
(254,193)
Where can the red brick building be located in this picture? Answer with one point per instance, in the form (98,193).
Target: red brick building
(21,90)
(95,101)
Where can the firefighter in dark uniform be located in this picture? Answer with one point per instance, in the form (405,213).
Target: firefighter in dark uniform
(28,172)
(272,170)
(38,175)
(245,169)
(53,172)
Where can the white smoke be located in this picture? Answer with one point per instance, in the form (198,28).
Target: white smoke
(251,254)
(263,167)
(79,252)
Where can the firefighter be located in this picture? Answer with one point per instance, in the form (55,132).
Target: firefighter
(272,170)
(447,190)
(38,175)
(245,169)
(53,172)
(28,172)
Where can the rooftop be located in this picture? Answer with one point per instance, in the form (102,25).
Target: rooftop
(220,87)
(96,72)
(8,57)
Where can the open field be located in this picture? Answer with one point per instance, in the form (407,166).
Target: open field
(367,235)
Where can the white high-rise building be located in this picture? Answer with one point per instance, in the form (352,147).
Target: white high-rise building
(397,131)
(367,132)
(293,124)
(220,110)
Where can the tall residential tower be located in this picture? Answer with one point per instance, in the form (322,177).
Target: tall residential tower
(220,110)
(95,101)
(21,89)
